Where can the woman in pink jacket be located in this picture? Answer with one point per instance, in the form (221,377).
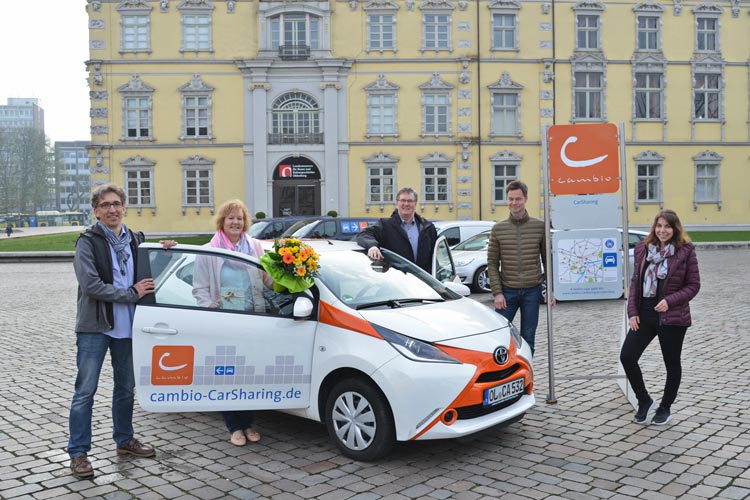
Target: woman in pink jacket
(665,279)
(216,277)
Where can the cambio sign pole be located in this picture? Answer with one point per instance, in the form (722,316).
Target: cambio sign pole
(551,399)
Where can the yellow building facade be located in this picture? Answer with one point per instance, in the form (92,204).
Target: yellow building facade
(302,107)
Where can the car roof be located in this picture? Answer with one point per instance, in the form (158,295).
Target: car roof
(446,223)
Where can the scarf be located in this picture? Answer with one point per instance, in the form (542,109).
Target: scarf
(118,243)
(220,240)
(657,268)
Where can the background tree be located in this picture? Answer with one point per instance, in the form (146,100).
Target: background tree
(26,170)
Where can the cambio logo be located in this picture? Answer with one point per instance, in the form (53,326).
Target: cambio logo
(172,365)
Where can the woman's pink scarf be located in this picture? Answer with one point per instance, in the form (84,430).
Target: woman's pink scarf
(221,240)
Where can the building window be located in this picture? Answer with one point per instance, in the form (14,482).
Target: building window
(382,108)
(504,33)
(381,32)
(707,181)
(381,111)
(707,96)
(588,93)
(138,117)
(648,33)
(381,179)
(295,119)
(587,32)
(435,109)
(436,171)
(506,167)
(295,31)
(504,114)
(707,34)
(196,33)
(139,185)
(196,109)
(648,95)
(136,110)
(436,31)
(648,182)
(197,184)
(135,33)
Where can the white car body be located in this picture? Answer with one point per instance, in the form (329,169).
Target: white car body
(470,258)
(456,231)
(383,336)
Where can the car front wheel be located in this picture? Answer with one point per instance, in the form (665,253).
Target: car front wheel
(359,420)
(481,280)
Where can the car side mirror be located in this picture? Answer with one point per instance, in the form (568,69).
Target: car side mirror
(459,288)
(303,308)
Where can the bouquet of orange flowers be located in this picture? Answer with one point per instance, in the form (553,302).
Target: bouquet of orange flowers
(292,265)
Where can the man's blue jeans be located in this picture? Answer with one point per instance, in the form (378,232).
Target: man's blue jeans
(92,348)
(527,299)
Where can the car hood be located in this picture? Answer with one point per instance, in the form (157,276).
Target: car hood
(438,322)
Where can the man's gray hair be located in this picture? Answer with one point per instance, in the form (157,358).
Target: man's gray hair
(106,188)
(407,190)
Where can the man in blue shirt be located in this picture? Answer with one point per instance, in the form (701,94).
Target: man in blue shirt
(105,265)
(405,233)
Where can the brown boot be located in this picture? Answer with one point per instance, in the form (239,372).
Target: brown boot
(81,467)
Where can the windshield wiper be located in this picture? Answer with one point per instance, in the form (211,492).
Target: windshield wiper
(394,303)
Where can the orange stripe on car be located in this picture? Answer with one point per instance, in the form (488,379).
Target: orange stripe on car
(473,393)
(340,319)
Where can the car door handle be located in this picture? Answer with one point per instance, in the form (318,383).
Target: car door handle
(159,331)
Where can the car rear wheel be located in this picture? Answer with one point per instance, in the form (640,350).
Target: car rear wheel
(359,420)
(481,282)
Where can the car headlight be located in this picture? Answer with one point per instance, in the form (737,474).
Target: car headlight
(415,350)
(464,261)
(515,335)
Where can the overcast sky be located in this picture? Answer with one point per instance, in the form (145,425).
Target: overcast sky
(43,44)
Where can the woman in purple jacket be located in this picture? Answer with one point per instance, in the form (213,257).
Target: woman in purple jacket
(665,279)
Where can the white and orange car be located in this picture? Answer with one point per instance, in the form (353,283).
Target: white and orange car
(380,351)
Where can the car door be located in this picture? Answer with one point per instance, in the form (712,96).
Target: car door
(443,268)
(214,337)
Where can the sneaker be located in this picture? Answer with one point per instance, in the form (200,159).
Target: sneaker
(81,467)
(135,447)
(662,416)
(641,416)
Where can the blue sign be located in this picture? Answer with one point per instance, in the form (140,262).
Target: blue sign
(609,260)
(224,370)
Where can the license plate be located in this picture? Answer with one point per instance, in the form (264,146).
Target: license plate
(503,392)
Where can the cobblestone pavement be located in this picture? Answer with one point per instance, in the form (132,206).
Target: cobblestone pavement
(585,446)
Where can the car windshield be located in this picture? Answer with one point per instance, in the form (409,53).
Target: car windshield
(299,228)
(258,228)
(476,242)
(360,282)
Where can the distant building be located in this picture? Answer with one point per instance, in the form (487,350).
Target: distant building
(73,177)
(22,112)
(309,106)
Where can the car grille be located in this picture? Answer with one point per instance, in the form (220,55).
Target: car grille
(498,375)
(474,411)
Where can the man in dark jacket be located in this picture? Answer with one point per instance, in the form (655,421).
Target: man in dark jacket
(107,292)
(405,233)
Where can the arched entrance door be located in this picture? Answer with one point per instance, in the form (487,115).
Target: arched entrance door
(296,187)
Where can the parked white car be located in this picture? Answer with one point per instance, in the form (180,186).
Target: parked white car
(456,231)
(470,257)
(379,351)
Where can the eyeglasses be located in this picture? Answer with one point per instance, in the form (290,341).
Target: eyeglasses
(106,205)
(406,201)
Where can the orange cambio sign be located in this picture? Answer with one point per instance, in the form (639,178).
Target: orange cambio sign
(583,159)
(172,365)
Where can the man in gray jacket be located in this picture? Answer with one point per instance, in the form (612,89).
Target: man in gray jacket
(105,265)
(515,253)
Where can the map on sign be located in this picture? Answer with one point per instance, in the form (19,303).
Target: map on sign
(582,261)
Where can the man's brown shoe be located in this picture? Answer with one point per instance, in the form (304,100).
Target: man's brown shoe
(135,447)
(81,467)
